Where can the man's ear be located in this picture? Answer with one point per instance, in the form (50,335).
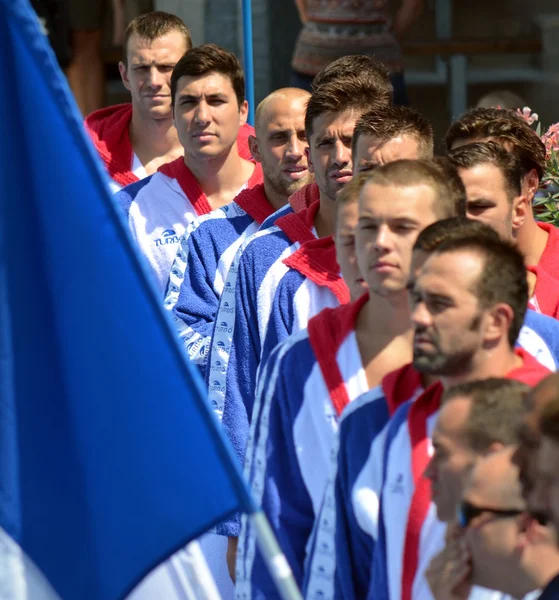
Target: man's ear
(309,159)
(254,147)
(520,209)
(124,75)
(499,320)
(243,113)
(530,185)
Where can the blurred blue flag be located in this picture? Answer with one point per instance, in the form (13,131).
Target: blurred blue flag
(110,459)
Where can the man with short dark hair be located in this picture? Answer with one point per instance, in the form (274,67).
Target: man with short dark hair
(531,559)
(469,300)
(207,87)
(135,139)
(475,419)
(498,550)
(493,180)
(538,242)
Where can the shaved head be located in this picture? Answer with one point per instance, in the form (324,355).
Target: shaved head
(266,108)
(280,143)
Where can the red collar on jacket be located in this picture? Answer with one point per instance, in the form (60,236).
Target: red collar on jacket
(327,331)
(190,186)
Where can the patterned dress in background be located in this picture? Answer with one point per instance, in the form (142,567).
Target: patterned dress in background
(337,28)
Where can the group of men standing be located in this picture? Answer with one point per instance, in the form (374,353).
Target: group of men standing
(370,320)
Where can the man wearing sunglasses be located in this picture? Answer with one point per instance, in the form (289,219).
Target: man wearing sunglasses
(476,419)
(500,552)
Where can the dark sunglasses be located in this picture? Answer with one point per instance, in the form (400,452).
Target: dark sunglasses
(466,512)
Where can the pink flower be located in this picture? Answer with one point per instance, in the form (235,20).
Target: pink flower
(527,114)
(551,139)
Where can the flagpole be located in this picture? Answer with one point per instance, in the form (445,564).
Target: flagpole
(248,57)
(275,560)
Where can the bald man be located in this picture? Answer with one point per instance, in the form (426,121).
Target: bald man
(503,554)
(208,246)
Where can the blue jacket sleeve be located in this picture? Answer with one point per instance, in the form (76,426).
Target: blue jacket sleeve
(196,308)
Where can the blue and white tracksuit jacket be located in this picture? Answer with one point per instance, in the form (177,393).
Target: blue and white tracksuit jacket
(246,307)
(206,251)
(341,558)
(307,381)
(160,207)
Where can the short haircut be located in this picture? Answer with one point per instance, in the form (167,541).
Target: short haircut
(344,93)
(450,229)
(362,68)
(210,58)
(407,173)
(495,407)
(152,26)
(502,278)
(491,153)
(388,122)
(549,420)
(505,127)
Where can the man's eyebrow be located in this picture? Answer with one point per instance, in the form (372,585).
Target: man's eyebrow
(186,96)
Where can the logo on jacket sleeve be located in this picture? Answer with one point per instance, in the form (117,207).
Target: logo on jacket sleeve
(227,308)
(223,327)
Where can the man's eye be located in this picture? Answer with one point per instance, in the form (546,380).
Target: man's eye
(436,306)
(478,207)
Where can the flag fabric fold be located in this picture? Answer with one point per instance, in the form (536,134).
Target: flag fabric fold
(110,458)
